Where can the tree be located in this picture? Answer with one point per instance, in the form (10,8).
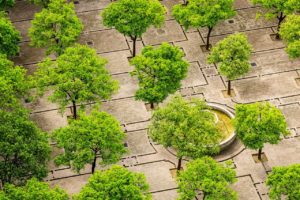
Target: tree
(188,127)
(5,4)
(289,32)
(203,13)
(77,76)
(55,27)
(9,37)
(259,123)
(159,71)
(89,137)
(133,17)
(33,190)
(278,9)
(232,54)
(24,148)
(284,182)
(207,175)
(116,183)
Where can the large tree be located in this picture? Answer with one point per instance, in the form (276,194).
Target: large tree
(207,175)
(259,123)
(24,148)
(55,27)
(159,71)
(188,127)
(117,183)
(33,190)
(290,33)
(232,55)
(284,182)
(77,76)
(9,37)
(96,135)
(203,13)
(133,17)
(278,9)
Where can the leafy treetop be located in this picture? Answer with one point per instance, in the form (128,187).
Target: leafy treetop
(77,76)
(159,71)
(96,135)
(116,183)
(188,127)
(33,190)
(232,55)
(55,27)
(259,123)
(9,37)
(24,148)
(133,17)
(207,175)
(290,33)
(284,181)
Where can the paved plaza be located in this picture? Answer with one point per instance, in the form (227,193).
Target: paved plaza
(273,78)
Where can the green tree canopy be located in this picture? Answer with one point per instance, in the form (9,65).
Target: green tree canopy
(97,135)
(33,190)
(24,148)
(43,3)
(77,76)
(133,17)
(278,9)
(5,4)
(55,27)
(232,55)
(116,183)
(188,127)
(207,175)
(203,13)
(284,181)
(159,71)
(259,123)
(9,37)
(290,33)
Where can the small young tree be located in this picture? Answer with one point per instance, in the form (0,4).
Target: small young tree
(55,27)
(289,32)
(5,4)
(77,76)
(284,182)
(188,127)
(259,123)
(24,149)
(278,9)
(9,37)
(33,190)
(207,175)
(85,139)
(133,17)
(159,71)
(232,55)
(203,13)
(116,183)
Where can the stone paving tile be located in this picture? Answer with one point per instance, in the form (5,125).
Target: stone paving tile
(118,62)
(292,114)
(169,5)
(23,27)
(88,5)
(165,195)
(239,4)
(245,188)
(194,77)
(23,10)
(170,32)
(138,143)
(91,20)
(128,85)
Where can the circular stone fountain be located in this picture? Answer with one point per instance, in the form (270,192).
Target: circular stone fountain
(224,123)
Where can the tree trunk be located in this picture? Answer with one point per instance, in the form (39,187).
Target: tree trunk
(185,2)
(152,105)
(74,110)
(229,88)
(208,37)
(134,46)
(179,164)
(94,164)
(259,154)
(204,194)
(280,18)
